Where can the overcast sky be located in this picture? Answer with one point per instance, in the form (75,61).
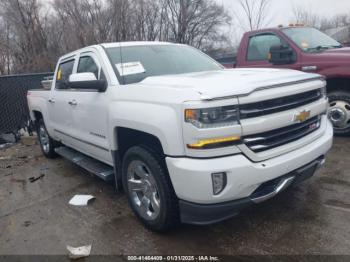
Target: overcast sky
(282,11)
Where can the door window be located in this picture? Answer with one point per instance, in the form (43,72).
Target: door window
(87,64)
(259,46)
(65,69)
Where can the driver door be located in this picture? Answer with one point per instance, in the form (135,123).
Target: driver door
(259,48)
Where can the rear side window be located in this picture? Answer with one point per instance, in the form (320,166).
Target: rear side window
(65,69)
(259,46)
(87,65)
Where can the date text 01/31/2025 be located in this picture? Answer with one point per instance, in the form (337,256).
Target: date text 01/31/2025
(173,258)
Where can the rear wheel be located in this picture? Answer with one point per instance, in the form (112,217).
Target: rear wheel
(149,189)
(339,112)
(47,144)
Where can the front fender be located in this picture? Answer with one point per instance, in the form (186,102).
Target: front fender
(159,120)
(336,72)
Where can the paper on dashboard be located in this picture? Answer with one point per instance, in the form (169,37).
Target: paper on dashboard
(131,68)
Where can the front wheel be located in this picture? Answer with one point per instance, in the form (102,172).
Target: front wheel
(149,189)
(339,112)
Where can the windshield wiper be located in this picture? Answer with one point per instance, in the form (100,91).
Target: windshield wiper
(320,47)
(323,47)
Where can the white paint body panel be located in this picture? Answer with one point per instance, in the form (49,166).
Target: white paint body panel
(156,106)
(192,177)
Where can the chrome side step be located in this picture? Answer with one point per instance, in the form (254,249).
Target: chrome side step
(93,166)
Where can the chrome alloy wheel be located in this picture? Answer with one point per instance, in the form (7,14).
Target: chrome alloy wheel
(143,190)
(44,139)
(339,114)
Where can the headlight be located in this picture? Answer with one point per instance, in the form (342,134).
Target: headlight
(212,117)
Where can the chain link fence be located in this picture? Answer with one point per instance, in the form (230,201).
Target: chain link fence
(14,113)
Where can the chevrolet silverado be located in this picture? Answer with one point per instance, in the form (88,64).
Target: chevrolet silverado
(187,140)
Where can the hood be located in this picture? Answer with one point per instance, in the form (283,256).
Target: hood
(333,55)
(229,82)
(343,50)
(330,59)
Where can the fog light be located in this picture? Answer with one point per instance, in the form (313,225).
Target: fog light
(219,182)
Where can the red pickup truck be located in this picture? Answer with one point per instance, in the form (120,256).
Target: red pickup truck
(306,49)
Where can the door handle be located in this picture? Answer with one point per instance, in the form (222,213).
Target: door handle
(309,68)
(73,103)
(51,100)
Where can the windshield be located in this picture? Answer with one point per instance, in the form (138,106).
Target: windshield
(310,39)
(135,63)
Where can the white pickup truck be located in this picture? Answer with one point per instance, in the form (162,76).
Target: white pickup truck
(187,140)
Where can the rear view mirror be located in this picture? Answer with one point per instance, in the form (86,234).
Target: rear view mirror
(281,55)
(87,81)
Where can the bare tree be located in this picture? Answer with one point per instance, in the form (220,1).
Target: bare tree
(28,37)
(82,22)
(340,20)
(4,47)
(149,17)
(196,22)
(34,33)
(255,13)
(305,16)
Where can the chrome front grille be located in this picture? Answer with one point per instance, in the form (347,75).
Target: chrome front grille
(279,137)
(279,104)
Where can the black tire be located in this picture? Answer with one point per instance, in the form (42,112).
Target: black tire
(168,214)
(48,148)
(339,102)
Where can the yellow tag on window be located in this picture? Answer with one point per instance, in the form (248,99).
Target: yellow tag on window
(59,74)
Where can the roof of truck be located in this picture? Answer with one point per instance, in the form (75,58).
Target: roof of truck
(280,27)
(135,43)
(116,44)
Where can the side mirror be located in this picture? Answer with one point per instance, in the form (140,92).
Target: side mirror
(87,81)
(281,55)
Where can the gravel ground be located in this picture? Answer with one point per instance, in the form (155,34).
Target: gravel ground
(35,218)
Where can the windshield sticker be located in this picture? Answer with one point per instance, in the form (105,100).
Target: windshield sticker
(131,68)
(304,45)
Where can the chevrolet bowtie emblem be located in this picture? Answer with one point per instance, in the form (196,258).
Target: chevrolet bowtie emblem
(302,116)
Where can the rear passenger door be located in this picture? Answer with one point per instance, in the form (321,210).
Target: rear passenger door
(58,108)
(90,112)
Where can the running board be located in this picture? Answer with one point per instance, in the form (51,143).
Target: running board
(92,165)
